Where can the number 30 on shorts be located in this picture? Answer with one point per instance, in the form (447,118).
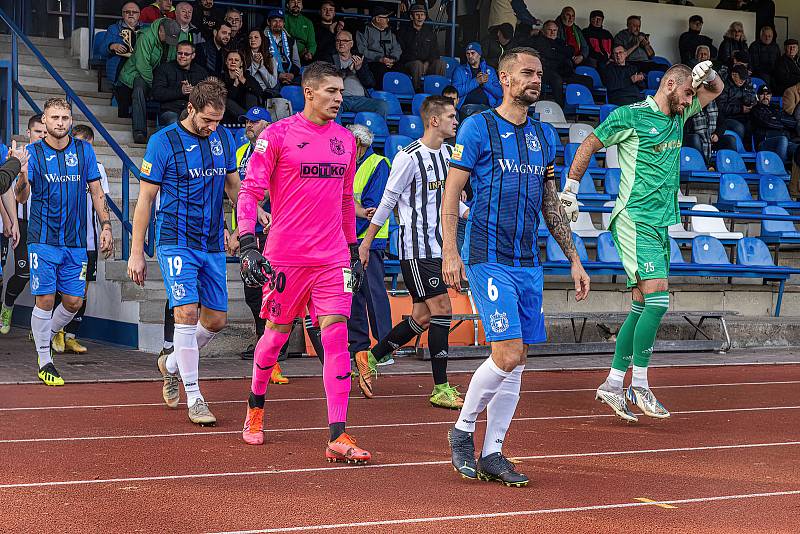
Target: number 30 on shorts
(491,290)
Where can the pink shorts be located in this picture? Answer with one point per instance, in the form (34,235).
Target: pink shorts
(325,289)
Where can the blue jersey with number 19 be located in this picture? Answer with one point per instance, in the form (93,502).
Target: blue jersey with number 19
(508,164)
(191,171)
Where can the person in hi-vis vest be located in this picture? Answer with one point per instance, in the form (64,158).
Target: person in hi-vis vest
(370,306)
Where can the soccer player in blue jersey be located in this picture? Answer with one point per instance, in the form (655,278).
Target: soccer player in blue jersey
(190,163)
(59,171)
(509,162)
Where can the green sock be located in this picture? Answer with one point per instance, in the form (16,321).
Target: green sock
(655,306)
(623,351)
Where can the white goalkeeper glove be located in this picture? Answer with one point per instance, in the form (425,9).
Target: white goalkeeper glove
(703,73)
(569,198)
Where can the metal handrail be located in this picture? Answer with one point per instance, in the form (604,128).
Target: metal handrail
(128,166)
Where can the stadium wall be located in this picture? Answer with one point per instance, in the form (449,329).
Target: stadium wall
(663,22)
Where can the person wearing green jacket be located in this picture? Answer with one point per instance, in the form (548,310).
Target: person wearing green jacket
(302,29)
(136,77)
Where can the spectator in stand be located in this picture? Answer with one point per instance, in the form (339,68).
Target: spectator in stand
(622,80)
(705,132)
(451,92)
(207,18)
(283,49)
(243,90)
(557,63)
(738,58)
(763,54)
(357,78)
(736,101)
(379,44)
(765,13)
(733,41)
(261,65)
(118,42)
(500,39)
(513,12)
(420,48)
(692,38)
(601,42)
(787,68)
(476,82)
(572,35)
(157,10)
(637,45)
(703,53)
(235,20)
(772,128)
(136,77)
(302,29)
(189,32)
(174,80)
(791,101)
(211,54)
(326,29)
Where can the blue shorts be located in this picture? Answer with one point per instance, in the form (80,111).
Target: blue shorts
(192,276)
(57,269)
(509,301)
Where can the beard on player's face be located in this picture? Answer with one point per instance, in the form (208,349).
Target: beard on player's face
(525,92)
(674,101)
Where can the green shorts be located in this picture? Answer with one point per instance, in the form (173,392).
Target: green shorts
(644,249)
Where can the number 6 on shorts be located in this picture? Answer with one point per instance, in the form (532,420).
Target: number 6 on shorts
(492,290)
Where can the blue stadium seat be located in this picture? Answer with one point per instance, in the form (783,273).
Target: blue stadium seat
(579,101)
(411,126)
(294,94)
(587,193)
(649,92)
(772,190)
(778,231)
(553,138)
(654,79)
(395,111)
(757,83)
(694,169)
(729,161)
(376,125)
(746,155)
(597,83)
(606,249)
(400,84)
(391,264)
(612,181)
(734,195)
(416,102)
(675,255)
(394,144)
(555,254)
(594,168)
(708,250)
(753,251)
(451,64)
(605,111)
(435,84)
(660,60)
(768,162)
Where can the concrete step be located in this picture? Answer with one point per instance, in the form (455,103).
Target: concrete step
(69,73)
(90,98)
(107,116)
(46,82)
(54,48)
(57,62)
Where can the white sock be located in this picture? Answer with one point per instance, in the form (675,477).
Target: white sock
(203,335)
(639,379)
(616,378)
(172,362)
(61,318)
(500,411)
(187,357)
(40,326)
(168,345)
(483,386)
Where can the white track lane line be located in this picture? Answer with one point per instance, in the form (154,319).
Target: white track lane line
(520,513)
(388,466)
(384,425)
(359,397)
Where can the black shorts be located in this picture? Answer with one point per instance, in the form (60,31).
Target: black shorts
(91,266)
(423,278)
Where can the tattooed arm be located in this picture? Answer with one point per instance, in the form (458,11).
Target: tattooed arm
(100,204)
(558,224)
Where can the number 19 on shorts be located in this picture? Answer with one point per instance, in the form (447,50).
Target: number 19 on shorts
(175,265)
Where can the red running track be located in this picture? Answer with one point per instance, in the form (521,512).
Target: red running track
(111,458)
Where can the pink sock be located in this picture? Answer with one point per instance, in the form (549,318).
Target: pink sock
(336,371)
(266,354)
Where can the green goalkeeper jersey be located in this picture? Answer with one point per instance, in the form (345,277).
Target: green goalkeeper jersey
(649,147)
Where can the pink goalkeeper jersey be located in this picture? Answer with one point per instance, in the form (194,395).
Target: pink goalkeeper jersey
(308,170)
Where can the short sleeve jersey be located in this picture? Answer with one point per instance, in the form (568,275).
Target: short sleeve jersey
(191,172)
(508,165)
(649,146)
(59,179)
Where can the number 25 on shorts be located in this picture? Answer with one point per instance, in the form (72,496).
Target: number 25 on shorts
(491,290)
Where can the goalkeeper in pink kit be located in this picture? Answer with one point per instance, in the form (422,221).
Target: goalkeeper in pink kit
(307,163)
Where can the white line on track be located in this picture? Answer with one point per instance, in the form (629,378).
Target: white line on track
(384,425)
(397,396)
(520,513)
(388,466)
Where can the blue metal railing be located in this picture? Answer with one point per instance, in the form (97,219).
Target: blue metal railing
(128,166)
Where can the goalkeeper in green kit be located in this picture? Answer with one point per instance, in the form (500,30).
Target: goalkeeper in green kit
(648,135)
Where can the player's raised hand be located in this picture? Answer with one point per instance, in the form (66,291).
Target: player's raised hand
(581,280)
(569,198)
(701,73)
(254,266)
(453,270)
(137,269)
(21,154)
